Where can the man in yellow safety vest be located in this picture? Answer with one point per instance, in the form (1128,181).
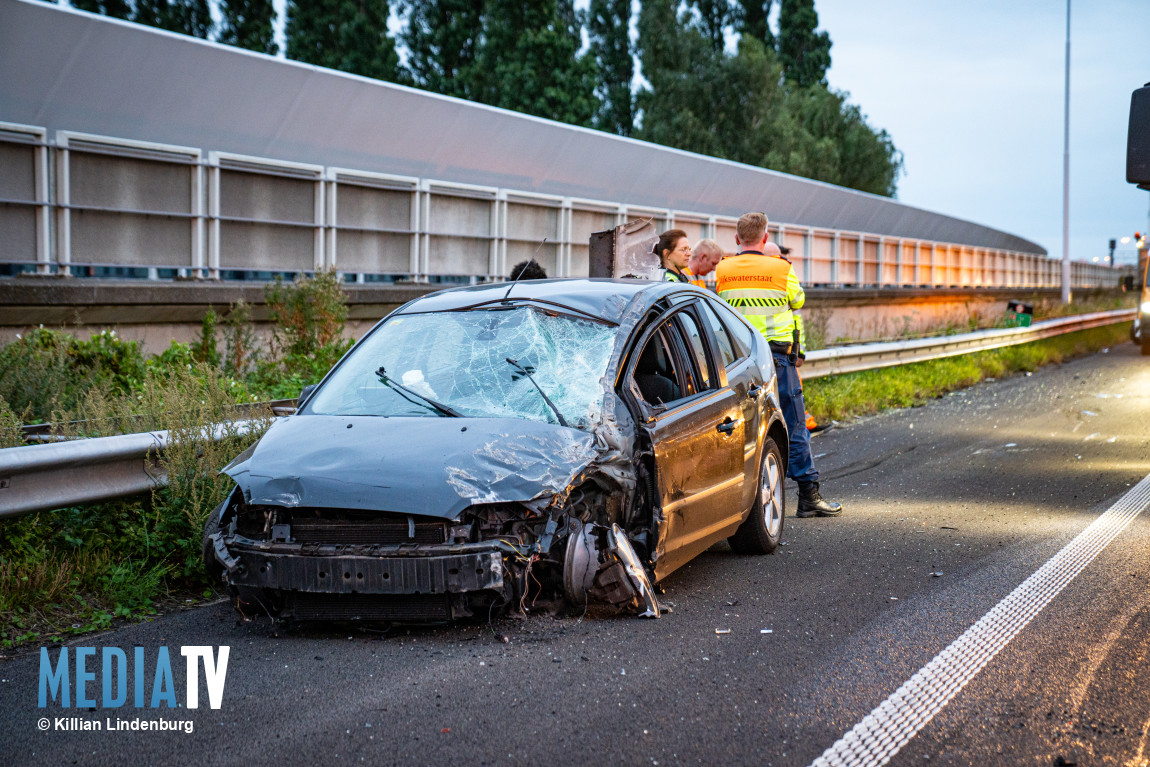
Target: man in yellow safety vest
(761,285)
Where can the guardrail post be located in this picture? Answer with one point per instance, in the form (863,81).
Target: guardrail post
(331,216)
(860,260)
(63,211)
(423,265)
(214,221)
(880,261)
(836,248)
(197,265)
(43,209)
(808,254)
(497,262)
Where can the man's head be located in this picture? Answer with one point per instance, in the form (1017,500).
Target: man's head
(705,257)
(771,249)
(751,231)
(527,270)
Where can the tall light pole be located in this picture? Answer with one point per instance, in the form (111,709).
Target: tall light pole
(1066,173)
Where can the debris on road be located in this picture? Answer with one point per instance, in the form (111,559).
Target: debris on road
(722,631)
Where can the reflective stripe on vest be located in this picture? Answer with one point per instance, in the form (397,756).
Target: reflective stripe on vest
(763,289)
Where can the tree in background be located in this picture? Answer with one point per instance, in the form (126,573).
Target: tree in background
(188,17)
(713,18)
(847,151)
(529,60)
(117,9)
(752,20)
(609,32)
(348,35)
(670,106)
(805,53)
(442,41)
(248,24)
(744,107)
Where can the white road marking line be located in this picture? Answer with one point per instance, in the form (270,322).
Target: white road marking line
(888,728)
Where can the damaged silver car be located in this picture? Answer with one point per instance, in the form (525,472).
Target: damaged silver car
(485,447)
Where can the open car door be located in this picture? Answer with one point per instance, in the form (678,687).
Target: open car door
(697,431)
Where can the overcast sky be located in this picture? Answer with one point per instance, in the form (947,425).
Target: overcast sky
(972,93)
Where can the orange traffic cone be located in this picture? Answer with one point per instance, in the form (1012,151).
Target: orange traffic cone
(812,424)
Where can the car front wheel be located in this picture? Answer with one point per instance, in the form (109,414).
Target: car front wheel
(761,532)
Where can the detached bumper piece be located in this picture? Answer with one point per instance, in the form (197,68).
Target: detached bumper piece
(331,575)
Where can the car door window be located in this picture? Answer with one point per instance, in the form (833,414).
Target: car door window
(723,345)
(656,375)
(742,334)
(696,348)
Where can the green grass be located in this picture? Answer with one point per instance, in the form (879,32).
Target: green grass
(78,569)
(854,394)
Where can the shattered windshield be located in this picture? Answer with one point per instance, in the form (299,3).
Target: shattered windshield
(493,363)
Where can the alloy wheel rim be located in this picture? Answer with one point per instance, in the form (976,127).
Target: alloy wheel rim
(772,495)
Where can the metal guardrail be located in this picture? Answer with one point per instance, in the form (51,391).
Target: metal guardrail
(47,432)
(61,474)
(51,476)
(858,357)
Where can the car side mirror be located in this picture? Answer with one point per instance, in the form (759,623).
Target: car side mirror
(304,394)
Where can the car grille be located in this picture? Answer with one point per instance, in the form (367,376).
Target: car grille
(381,531)
(423,608)
(341,526)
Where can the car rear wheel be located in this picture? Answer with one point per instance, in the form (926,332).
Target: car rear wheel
(763,529)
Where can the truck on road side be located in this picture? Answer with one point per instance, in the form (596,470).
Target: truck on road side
(1138,172)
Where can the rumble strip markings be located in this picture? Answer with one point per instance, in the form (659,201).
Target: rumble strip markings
(888,728)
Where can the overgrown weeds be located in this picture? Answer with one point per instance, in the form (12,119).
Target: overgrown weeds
(47,369)
(869,391)
(308,318)
(78,568)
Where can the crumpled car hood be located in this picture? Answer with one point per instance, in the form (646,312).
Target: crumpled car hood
(429,466)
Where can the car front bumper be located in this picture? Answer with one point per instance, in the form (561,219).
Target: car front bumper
(437,569)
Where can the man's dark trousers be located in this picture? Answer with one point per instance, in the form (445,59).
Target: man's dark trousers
(800,465)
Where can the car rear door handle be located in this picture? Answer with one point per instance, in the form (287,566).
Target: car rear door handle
(755,391)
(728,425)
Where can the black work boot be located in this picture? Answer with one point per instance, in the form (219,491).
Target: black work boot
(811,504)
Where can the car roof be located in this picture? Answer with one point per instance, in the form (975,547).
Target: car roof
(602,298)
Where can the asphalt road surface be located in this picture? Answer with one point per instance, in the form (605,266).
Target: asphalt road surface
(949,507)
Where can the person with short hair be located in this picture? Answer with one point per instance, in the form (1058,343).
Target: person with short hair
(674,251)
(705,257)
(527,270)
(760,284)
